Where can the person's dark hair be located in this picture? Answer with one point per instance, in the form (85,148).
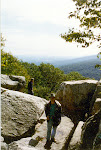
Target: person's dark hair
(32,79)
(52,95)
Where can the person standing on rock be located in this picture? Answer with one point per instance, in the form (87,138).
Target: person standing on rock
(53,114)
(30,86)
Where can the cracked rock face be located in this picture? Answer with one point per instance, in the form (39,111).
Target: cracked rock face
(91,132)
(75,97)
(19,113)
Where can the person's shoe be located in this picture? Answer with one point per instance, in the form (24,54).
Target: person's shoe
(53,139)
(47,144)
(48,141)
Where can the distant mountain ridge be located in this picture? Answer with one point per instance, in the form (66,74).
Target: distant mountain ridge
(85,66)
(54,60)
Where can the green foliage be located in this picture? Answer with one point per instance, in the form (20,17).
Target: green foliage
(75,76)
(11,65)
(42,92)
(89,15)
(80,2)
(34,72)
(51,76)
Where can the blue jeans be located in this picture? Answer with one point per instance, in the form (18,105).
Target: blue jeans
(49,128)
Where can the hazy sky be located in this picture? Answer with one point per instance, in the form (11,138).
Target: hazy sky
(33,27)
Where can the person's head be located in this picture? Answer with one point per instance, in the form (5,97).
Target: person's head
(52,97)
(32,79)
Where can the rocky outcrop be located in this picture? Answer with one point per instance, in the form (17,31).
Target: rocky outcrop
(12,82)
(90,131)
(38,140)
(20,117)
(75,97)
(19,113)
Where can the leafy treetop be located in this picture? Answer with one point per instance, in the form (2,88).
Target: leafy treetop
(89,14)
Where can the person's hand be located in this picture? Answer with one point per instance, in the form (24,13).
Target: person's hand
(47,117)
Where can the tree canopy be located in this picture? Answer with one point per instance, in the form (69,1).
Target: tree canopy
(47,78)
(89,14)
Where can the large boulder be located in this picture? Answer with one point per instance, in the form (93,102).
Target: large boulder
(12,82)
(75,97)
(91,131)
(19,113)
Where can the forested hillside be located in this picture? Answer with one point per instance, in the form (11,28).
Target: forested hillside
(86,68)
(47,77)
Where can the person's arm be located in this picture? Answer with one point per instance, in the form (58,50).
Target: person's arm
(47,118)
(47,112)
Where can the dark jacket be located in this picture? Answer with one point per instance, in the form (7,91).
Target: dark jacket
(57,113)
(30,88)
